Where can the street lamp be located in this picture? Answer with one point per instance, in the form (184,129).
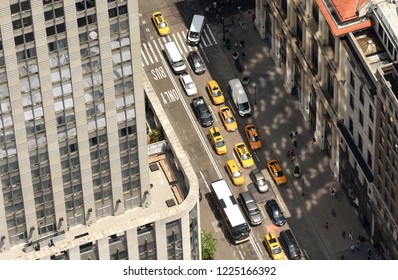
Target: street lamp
(223,28)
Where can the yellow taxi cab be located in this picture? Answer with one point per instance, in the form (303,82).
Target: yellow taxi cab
(276,172)
(228,119)
(253,137)
(243,154)
(273,247)
(160,23)
(234,173)
(215,93)
(217,141)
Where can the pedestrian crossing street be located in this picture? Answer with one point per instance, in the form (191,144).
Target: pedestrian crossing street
(151,51)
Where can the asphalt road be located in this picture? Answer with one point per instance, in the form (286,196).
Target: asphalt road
(177,105)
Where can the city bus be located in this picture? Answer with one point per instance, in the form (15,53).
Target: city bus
(234,221)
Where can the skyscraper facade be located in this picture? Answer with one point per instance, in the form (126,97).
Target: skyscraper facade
(73,149)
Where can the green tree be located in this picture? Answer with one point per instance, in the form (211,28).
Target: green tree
(208,245)
(156,135)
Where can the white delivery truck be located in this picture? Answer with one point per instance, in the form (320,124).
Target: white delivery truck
(195,30)
(239,97)
(174,57)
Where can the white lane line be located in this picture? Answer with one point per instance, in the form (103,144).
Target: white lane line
(256,156)
(211,33)
(203,52)
(158,50)
(149,55)
(182,41)
(194,122)
(144,57)
(153,53)
(207,185)
(207,37)
(178,45)
(255,246)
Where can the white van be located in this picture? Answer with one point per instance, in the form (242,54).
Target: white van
(195,31)
(239,97)
(174,57)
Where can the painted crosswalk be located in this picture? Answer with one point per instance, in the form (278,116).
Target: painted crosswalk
(151,51)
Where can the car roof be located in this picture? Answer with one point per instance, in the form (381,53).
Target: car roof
(194,55)
(247,196)
(186,77)
(233,164)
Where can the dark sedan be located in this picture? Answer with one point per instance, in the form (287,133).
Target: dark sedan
(196,63)
(275,213)
(202,111)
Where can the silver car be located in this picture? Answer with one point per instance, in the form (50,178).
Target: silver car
(251,208)
(188,84)
(259,180)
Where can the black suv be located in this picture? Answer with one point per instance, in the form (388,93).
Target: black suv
(289,245)
(275,213)
(202,111)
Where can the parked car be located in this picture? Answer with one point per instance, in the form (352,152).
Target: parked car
(196,63)
(217,141)
(275,213)
(251,209)
(262,184)
(243,154)
(160,23)
(234,172)
(253,137)
(290,245)
(273,246)
(202,111)
(276,172)
(188,84)
(215,92)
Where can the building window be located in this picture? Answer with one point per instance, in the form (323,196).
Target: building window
(315,14)
(20,7)
(331,40)
(371,114)
(370,135)
(351,126)
(330,85)
(360,143)
(314,57)
(352,80)
(299,32)
(361,118)
(352,103)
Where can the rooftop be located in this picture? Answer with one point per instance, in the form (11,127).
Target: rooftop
(343,15)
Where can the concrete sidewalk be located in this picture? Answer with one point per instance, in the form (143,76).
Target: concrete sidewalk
(311,198)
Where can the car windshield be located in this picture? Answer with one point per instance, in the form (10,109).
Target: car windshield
(237,174)
(229,120)
(254,139)
(189,85)
(194,34)
(198,64)
(178,63)
(262,182)
(254,212)
(279,174)
(220,143)
(205,114)
(276,250)
(244,106)
(278,214)
(216,92)
(245,156)
(162,24)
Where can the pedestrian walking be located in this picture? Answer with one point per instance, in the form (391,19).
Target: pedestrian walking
(327,225)
(333,212)
(243,54)
(291,135)
(344,234)
(369,251)
(350,235)
(332,192)
(295,143)
(352,248)
(357,245)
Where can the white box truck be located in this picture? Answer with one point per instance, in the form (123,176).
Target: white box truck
(195,30)
(174,57)
(239,97)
